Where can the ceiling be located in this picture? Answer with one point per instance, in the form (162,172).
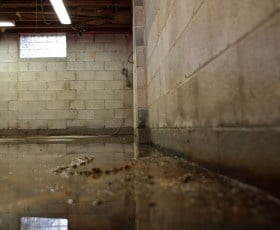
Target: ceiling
(87,16)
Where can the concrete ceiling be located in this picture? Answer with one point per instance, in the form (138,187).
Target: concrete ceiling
(88,16)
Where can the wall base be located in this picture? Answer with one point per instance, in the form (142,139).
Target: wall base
(76,131)
(251,155)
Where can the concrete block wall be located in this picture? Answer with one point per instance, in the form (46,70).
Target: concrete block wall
(213,79)
(140,78)
(86,90)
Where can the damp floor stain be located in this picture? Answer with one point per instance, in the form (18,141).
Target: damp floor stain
(105,183)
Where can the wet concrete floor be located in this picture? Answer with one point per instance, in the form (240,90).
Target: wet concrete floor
(110,183)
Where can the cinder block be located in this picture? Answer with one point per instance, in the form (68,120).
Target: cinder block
(172,112)
(8,57)
(115,47)
(28,106)
(104,75)
(85,95)
(70,75)
(38,124)
(75,66)
(78,85)
(142,78)
(88,56)
(85,38)
(77,104)
(104,38)
(5,76)
(140,35)
(104,114)
(46,95)
(36,85)
(4,105)
(114,123)
(166,8)
(13,124)
(4,124)
(37,66)
(139,16)
(46,76)
(27,115)
(114,85)
(238,19)
(107,56)
(25,95)
(8,95)
(56,124)
(187,103)
(56,66)
(94,66)
(142,97)
(85,75)
(5,85)
(113,104)
(66,95)
(258,56)
(128,122)
(56,85)
(85,114)
(8,115)
(57,114)
(71,56)
(123,113)
(140,56)
(113,65)
(91,85)
(222,76)
(95,124)
(103,94)
(13,67)
(13,46)
(4,67)
(128,99)
(119,94)
(95,104)
(22,124)
(118,75)
(23,66)
(76,123)
(97,47)
(27,76)
(74,46)
(56,104)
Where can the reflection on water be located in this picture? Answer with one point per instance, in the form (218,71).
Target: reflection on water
(110,183)
(37,223)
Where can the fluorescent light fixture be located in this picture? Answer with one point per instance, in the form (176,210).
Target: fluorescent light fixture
(61,11)
(6,24)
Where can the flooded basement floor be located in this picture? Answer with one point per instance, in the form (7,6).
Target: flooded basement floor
(75,182)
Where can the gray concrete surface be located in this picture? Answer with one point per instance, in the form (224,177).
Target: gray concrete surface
(86,90)
(214,65)
(110,183)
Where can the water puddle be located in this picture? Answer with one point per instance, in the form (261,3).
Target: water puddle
(114,184)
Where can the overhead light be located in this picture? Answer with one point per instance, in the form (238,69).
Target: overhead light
(6,24)
(61,11)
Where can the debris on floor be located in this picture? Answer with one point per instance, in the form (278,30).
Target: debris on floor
(111,189)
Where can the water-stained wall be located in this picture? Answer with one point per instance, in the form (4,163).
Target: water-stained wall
(85,90)
(213,79)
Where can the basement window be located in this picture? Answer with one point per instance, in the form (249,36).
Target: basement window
(38,223)
(43,46)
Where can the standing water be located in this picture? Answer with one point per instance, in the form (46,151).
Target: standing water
(84,182)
